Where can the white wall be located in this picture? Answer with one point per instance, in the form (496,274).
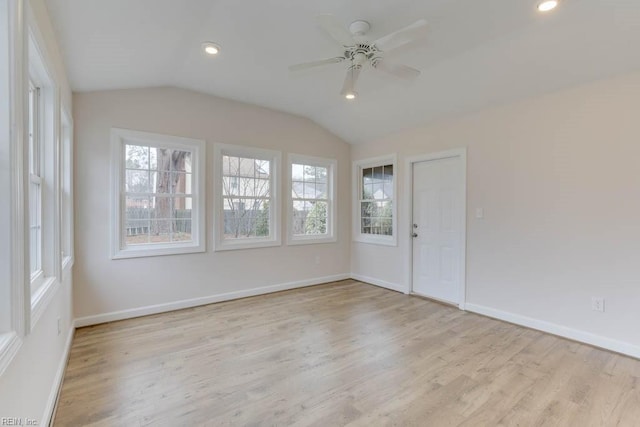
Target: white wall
(104,286)
(28,386)
(558,179)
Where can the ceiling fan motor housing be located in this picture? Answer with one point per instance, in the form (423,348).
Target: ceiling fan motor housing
(361,53)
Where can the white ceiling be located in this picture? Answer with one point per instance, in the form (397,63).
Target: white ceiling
(477,53)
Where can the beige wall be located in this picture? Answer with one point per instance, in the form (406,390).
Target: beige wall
(558,178)
(104,286)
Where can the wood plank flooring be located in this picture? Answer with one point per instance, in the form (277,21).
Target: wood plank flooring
(345,353)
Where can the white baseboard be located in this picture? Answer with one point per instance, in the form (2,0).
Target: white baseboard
(194,302)
(559,330)
(380,283)
(57,381)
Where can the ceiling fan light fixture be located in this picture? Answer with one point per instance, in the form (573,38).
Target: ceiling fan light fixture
(210,48)
(547,5)
(350,96)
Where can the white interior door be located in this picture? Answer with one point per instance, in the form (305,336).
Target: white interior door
(438,227)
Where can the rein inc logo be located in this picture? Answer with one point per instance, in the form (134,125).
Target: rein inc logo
(18,421)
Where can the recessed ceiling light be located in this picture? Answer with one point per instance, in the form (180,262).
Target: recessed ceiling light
(547,5)
(210,48)
(351,96)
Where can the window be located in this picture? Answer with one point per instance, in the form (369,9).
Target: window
(311,204)
(158,190)
(41,178)
(66,188)
(247,203)
(375,210)
(35,187)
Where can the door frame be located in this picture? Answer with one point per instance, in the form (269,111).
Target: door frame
(409,161)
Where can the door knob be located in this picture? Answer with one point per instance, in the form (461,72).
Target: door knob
(414,235)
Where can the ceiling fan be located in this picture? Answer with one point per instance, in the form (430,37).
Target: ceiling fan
(359,51)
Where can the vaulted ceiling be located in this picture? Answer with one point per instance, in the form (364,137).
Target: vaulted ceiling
(476,54)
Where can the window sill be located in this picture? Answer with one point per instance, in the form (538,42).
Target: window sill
(9,345)
(41,299)
(375,240)
(160,250)
(311,240)
(246,244)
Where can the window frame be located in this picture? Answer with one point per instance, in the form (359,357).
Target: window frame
(332,168)
(14,280)
(119,139)
(274,238)
(358,167)
(66,191)
(44,284)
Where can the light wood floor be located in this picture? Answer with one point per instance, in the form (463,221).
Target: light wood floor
(339,354)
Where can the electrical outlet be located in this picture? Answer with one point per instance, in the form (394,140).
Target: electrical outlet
(59,326)
(597,304)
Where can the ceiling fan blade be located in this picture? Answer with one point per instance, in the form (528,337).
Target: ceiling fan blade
(401,37)
(312,64)
(349,86)
(401,71)
(336,30)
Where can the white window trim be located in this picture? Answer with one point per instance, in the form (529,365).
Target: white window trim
(16,276)
(332,166)
(38,62)
(68,259)
(358,165)
(119,138)
(274,238)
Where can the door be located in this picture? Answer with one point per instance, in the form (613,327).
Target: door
(438,229)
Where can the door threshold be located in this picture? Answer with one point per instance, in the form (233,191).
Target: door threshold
(436,300)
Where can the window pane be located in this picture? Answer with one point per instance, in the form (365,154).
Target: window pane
(309,190)
(160,231)
(181,230)
(321,174)
(245,218)
(182,207)
(181,182)
(136,157)
(297,172)
(377,174)
(388,173)
(378,190)
(161,207)
(137,181)
(367,176)
(321,191)
(309,173)
(309,218)
(153,158)
(181,161)
(297,189)
(261,188)
(388,190)
(376,218)
(263,168)
(137,231)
